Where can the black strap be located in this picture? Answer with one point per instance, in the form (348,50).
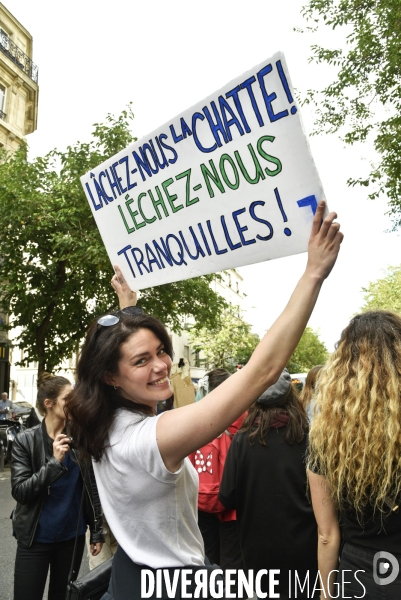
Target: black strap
(70,574)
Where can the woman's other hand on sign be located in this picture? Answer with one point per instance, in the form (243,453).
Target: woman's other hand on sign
(126,296)
(324,243)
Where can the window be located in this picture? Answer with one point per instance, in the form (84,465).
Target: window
(2,101)
(4,40)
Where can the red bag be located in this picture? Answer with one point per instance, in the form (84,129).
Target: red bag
(209,464)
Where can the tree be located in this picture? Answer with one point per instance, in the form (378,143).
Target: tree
(55,273)
(310,352)
(229,344)
(364,101)
(385,293)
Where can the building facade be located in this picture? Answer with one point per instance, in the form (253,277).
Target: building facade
(231,288)
(18,116)
(18,82)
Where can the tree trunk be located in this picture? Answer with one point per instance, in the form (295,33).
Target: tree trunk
(41,331)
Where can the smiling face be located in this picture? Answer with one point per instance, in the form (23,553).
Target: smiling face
(143,369)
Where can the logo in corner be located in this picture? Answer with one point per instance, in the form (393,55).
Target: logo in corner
(382,574)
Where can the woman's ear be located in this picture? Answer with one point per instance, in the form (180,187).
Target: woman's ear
(108,378)
(48,404)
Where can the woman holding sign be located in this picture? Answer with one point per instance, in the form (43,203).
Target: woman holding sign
(147,486)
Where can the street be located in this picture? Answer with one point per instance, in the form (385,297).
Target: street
(8,542)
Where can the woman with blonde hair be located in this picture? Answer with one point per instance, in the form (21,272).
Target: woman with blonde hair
(355,459)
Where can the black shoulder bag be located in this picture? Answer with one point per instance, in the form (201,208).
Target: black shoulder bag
(94,584)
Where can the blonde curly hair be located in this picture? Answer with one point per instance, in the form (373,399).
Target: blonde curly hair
(355,438)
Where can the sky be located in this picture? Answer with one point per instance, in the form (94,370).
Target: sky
(95,57)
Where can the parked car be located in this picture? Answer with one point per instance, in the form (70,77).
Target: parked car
(27,413)
(24,409)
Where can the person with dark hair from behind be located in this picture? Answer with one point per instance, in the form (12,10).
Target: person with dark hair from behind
(264,479)
(47,482)
(217,525)
(307,396)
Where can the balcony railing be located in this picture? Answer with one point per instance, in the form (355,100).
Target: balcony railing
(2,115)
(18,57)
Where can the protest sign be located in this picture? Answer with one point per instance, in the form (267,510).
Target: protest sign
(229,182)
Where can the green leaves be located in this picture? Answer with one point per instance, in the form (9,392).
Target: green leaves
(364,101)
(55,273)
(310,352)
(385,293)
(229,343)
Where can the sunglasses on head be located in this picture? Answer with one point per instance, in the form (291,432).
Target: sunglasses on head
(108,320)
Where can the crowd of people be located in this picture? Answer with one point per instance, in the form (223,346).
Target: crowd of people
(305,485)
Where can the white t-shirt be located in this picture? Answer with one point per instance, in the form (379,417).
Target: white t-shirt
(151,511)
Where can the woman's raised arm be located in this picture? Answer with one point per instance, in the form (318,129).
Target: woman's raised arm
(186,429)
(126,296)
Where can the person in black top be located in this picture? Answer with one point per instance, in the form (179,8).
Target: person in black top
(354,461)
(264,479)
(47,481)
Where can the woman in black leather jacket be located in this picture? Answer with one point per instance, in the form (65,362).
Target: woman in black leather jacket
(47,482)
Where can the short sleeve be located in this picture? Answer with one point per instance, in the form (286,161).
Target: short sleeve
(314,468)
(139,441)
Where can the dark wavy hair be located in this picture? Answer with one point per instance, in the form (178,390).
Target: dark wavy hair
(92,403)
(261,416)
(216,377)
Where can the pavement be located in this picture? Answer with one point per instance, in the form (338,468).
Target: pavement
(8,545)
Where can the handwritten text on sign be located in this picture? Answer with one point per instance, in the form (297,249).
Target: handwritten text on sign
(227,183)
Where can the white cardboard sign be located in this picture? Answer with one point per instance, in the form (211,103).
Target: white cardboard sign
(229,182)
